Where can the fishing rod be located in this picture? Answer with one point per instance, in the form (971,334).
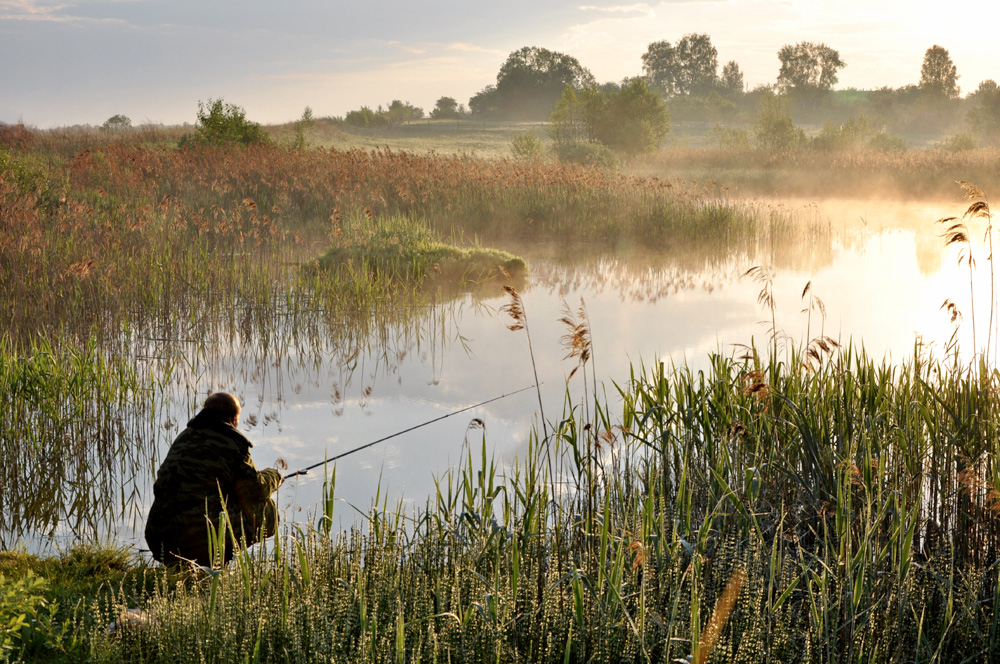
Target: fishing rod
(400,433)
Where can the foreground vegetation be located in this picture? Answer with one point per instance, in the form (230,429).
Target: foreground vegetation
(841,513)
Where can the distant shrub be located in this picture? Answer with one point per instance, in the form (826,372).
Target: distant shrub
(852,134)
(447,108)
(366,118)
(631,119)
(117,124)
(303,123)
(712,106)
(589,154)
(400,112)
(220,123)
(527,146)
(857,133)
(883,141)
(736,139)
(773,128)
(396,114)
(959,142)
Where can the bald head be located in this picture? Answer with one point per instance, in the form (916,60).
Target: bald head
(226,405)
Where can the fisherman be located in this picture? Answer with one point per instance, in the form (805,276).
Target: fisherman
(207,471)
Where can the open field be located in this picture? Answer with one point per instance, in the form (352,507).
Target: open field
(925,171)
(489,140)
(783,505)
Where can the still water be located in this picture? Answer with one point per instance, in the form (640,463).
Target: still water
(882,273)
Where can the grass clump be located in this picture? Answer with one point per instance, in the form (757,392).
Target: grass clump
(48,606)
(402,249)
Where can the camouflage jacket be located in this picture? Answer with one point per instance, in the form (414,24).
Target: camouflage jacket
(209,463)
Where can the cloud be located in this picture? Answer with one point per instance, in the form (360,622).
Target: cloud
(641,8)
(30,10)
(40,11)
(415,50)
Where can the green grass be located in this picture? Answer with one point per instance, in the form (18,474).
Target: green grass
(856,497)
(402,249)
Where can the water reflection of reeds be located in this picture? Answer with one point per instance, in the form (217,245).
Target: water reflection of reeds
(78,426)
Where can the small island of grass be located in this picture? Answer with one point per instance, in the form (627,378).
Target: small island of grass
(401,249)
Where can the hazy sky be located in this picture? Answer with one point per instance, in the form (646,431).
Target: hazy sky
(68,62)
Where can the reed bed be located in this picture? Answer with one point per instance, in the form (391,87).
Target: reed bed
(78,427)
(125,234)
(749,512)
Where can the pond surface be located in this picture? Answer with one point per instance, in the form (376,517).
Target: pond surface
(882,273)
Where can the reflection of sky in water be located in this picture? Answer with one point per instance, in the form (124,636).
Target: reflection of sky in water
(875,286)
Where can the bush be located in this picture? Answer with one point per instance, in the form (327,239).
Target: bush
(27,175)
(883,141)
(631,119)
(527,146)
(589,154)
(854,133)
(447,108)
(773,128)
(20,602)
(303,123)
(959,142)
(711,107)
(220,123)
(117,124)
(729,138)
(366,118)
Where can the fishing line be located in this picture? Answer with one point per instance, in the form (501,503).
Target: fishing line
(400,433)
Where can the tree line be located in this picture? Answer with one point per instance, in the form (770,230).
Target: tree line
(684,82)
(537,84)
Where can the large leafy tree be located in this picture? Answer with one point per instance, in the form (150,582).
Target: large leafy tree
(808,69)
(938,75)
(484,102)
(530,82)
(731,80)
(689,68)
(446,107)
(984,116)
(631,119)
(401,112)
